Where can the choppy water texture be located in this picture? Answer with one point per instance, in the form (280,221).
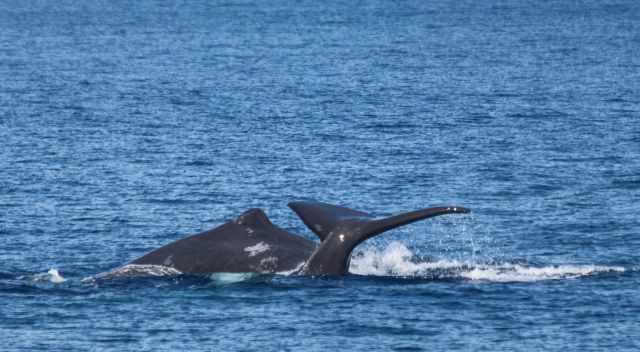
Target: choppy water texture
(127,125)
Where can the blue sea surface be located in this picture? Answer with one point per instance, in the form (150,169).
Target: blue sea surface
(126,125)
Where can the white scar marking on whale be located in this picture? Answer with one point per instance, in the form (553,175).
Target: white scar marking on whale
(168,261)
(256,249)
(268,264)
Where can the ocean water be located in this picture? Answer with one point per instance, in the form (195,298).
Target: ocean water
(127,125)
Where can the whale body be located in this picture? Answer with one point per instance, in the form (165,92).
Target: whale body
(252,244)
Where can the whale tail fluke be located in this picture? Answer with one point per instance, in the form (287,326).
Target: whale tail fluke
(322,218)
(376,227)
(341,229)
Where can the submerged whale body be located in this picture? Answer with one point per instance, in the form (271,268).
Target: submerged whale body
(251,243)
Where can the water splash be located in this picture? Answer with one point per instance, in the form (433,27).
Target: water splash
(397,260)
(131,270)
(53,276)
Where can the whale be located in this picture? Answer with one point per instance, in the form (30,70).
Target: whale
(251,243)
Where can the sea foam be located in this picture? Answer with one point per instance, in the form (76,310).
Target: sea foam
(397,260)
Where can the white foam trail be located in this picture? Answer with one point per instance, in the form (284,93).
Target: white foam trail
(397,260)
(520,273)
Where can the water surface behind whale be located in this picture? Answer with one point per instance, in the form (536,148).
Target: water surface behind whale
(125,126)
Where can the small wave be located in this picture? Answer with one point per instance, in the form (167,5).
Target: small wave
(53,276)
(397,260)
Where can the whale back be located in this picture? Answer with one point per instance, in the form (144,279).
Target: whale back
(250,243)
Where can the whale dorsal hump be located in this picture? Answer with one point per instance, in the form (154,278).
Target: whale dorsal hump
(322,218)
(253,218)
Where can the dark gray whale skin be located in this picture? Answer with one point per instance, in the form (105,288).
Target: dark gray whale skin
(228,248)
(251,243)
